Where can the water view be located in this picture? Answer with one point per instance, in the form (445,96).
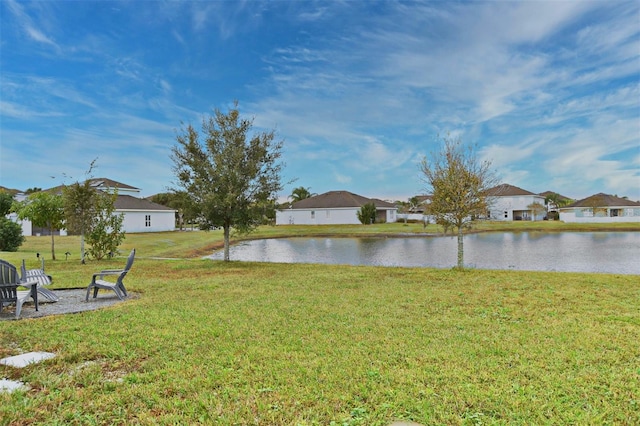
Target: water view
(610,252)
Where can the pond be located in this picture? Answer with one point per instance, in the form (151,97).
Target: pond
(610,252)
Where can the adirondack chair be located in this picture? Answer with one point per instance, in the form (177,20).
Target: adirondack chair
(41,278)
(98,281)
(10,282)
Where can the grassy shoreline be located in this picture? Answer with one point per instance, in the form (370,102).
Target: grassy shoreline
(273,344)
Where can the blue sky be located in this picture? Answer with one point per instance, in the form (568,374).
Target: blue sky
(359,91)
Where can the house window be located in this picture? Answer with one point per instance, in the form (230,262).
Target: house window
(313,215)
(147,220)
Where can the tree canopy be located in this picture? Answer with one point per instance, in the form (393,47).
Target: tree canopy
(300,193)
(180,201)
(46,210)
(10,232)
(229,172)
(458,182)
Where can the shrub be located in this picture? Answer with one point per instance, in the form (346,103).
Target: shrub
(367,214)
(11,237)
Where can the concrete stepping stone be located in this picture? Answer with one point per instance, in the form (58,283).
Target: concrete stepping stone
(11,385)
(20,361)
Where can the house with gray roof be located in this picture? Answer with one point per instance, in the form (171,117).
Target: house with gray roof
(140,215)
(333,208)
(508,202)
(601,208)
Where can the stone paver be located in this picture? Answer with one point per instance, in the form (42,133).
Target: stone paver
(11,385)
(21,361)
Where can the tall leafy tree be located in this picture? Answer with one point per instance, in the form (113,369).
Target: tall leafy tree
(458,182)
(46,210)
(555,201)
(229,172)
(300,193)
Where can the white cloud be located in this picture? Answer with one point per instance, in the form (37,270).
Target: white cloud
(28,26)
(342,178)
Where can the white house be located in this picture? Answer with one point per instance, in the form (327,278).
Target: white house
(508,202)
(140,215)
(25,224)
(601,208)
(333,208)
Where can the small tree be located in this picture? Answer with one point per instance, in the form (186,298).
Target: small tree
(45,210)
(11,237)
(79,210)
(458,183)
(89,212)
(367,214)
(596,204)
(105,234)
(228,174)
(536,210)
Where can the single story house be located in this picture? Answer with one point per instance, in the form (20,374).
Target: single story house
(140,215)
(508,202)
(333,208)
(601,208)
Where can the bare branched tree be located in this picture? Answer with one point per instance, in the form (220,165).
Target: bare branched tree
(458,182)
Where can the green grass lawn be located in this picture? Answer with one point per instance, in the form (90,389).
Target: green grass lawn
(267,344)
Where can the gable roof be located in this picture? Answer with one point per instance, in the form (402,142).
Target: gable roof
(109,183)
(102,184)
(339,199)
(127,202)
(506,190)
(603,200)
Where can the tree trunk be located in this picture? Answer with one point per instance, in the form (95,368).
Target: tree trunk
(226,228)
(82,247)
(53,248)
(460,249)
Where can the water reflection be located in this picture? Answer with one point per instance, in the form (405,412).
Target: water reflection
(614,252)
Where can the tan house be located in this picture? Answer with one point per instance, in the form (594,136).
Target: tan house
(601,208)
